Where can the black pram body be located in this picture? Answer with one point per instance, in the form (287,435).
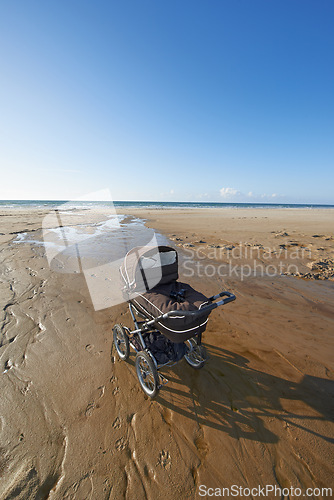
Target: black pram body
(150,278)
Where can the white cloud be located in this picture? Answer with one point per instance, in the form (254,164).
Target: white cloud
(274,195)
(228,192)
(172,191)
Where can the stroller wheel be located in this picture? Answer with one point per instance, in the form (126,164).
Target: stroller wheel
(196,354)
(147,374)
(121,342)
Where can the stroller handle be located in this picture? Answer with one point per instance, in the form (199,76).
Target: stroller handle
(200,312)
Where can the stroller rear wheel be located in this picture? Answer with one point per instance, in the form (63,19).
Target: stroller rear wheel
(121,341)
(147,374)
(196,355)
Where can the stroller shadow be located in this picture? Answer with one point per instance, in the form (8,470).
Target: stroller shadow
(229,396)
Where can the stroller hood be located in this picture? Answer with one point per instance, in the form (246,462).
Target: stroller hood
(144,268)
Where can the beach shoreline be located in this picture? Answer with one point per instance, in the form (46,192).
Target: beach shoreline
(74,421)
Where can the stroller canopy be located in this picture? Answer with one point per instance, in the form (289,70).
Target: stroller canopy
(146,267)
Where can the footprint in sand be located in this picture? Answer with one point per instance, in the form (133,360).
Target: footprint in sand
(116,423)
(120,444)
(89,410)
(164,460)
(115,391)
(100,391)
(81,490)
(90,347)
(97,394)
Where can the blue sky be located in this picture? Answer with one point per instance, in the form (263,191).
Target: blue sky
(162,100)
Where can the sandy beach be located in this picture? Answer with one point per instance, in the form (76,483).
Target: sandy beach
(74,422)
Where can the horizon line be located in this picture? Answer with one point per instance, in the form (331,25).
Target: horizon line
(171,201)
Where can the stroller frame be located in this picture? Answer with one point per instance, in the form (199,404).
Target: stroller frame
(147,367)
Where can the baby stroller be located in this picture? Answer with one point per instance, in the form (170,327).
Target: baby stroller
(173,314)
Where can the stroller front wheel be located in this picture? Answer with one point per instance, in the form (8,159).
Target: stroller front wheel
(147,374)
(121,342)
(196,355)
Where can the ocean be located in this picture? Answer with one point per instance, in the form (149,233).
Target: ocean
(162,205)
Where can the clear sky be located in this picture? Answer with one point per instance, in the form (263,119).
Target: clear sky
(210,100)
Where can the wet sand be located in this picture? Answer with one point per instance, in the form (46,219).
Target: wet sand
(74,422)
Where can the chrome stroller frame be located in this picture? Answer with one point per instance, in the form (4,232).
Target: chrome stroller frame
(148,369)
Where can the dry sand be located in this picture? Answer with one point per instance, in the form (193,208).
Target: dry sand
(74,422)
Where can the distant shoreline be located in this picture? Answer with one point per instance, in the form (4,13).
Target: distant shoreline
(44,204)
